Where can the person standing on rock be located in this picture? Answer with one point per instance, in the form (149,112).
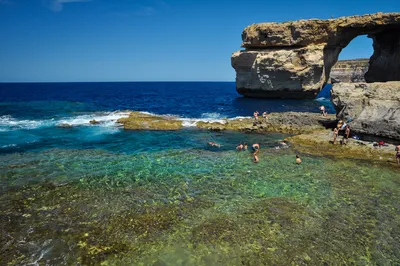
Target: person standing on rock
(255,114)
(398,154)
(347,133)
(323,110)
(335,134)
(265,117)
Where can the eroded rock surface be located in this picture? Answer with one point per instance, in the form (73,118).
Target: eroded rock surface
(294,59)
(373,108)
(142,121)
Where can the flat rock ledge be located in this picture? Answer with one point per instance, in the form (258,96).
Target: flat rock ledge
(143,121)
(320,143)
(288,122)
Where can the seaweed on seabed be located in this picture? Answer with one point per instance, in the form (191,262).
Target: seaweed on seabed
(222,228)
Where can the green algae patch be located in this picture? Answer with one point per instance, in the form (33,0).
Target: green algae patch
(143,121)
(198,207)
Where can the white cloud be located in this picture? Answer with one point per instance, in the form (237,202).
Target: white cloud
(57,5)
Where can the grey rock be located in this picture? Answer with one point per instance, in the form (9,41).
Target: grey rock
(373,108)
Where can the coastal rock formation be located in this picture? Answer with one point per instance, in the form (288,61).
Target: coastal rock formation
(294,59)
(142,121)
(349,71)
(288,122)
(373,108)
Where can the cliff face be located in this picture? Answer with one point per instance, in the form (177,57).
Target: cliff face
(373,108)
(294,59)
(349,71)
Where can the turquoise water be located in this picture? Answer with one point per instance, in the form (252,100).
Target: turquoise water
(189,204)
(99,195)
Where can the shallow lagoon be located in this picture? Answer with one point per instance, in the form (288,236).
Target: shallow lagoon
(165,198)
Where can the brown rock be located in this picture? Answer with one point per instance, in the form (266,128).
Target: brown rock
(294,59)
(141,121)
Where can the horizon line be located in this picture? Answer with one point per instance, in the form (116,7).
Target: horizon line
(144,81)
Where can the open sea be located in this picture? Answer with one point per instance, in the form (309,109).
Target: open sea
(100,195)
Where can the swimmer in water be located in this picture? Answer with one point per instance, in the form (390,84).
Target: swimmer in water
(298,160)
(240,147)
(255,157)
(256,148)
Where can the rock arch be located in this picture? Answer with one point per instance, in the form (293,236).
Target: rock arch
(294,59)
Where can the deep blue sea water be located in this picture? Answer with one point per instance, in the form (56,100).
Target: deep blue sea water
(100,195)
(30,113)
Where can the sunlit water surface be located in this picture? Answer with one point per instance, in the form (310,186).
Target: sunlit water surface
(96,194)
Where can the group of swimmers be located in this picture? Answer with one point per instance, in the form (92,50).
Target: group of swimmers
(255,147)
(256,150)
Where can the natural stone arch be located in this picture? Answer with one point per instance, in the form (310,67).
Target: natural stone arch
(294,59)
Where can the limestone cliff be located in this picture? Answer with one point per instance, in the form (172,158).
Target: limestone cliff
(373,108)
(349,71)
(294,59)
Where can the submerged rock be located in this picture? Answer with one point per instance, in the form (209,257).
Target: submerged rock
(372,108)
(142,121)
(65,125)
(94,122)
(294,59)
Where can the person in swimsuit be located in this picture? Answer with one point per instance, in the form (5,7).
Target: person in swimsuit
(398,154)
(240,147)
(335,134)
(255,157)
(213,144)
(298,160)
(265,117)
(256,148)
(255,114)
(323,110)
(245,146)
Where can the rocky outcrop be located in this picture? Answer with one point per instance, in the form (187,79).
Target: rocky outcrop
(349,71)
(294,59)
(142,121)
(372,108)
(288,122)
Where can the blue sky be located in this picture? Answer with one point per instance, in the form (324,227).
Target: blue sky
(147,40)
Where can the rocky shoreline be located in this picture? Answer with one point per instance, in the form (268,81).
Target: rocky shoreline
(312,133)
